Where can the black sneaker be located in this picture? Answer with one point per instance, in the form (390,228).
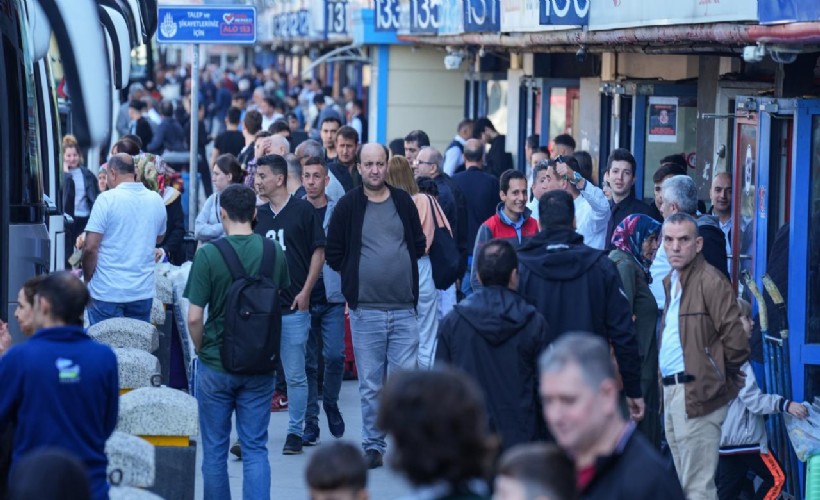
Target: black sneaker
(293,445)
(311,435)
(236,450)
(335,422)
(373,459)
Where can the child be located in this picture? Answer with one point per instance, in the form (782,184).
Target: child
(337,471)
(535,471)
(743,441)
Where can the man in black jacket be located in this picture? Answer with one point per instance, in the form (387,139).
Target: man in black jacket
(577,288)
(374,241)
(579,394)
(621,167)
(496,337)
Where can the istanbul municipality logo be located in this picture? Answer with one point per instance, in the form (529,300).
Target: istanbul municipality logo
(168,27)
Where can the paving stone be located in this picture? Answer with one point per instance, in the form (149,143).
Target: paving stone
(158,411)
(134,457)
(130,493)
(136,367)
(126,332)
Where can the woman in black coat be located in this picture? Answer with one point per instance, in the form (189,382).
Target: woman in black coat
(80,191)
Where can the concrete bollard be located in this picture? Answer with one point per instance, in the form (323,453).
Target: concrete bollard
(136,368)
(167,418)
(126,332)
(131,460)
(157,313)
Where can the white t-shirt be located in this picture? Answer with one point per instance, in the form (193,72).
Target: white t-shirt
(592,214)
(129,217)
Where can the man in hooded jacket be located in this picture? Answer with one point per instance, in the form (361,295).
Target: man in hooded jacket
(495,336)
(577,288)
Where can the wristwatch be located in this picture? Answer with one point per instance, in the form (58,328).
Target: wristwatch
(576,179)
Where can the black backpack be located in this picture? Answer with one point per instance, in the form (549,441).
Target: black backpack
(253,318)
(445,258)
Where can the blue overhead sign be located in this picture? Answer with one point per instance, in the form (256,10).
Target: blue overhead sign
(335,17)
(387,15)
(788,11)
(425,16)
(200,24)
(564,12)
(482,16)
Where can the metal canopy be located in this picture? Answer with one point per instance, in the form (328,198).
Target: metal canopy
(349,53)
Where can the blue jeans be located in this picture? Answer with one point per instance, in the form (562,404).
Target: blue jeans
(218,395)
(100,310)
(466,286)
(295,328)
(383,342)
(327,320)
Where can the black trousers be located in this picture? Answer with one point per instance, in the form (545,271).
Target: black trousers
(732,471)
(73,230)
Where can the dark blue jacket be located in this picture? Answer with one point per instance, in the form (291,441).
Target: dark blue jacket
(61,388)
(480,191)
(169,136)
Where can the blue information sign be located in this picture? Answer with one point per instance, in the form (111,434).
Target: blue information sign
(200,24)
(387,15)
(788,11)
(335,17)
(564,12)
(482,16)
(424,16)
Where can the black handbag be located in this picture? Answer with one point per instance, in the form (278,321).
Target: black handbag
(444,254)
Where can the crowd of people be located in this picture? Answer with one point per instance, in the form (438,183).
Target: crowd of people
(465,282)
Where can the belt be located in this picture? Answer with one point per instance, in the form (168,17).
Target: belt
(678,378)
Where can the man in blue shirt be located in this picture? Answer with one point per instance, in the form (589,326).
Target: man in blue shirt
(61,387)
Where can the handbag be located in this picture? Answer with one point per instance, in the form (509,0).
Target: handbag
(444,254)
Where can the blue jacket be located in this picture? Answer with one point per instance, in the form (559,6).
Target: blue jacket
(61,388)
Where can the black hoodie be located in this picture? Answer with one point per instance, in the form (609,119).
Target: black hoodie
(496,336)
(577,288)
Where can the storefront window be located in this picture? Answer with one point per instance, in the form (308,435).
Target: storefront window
(671,128)
(813,333)
(497,104)
(564,106)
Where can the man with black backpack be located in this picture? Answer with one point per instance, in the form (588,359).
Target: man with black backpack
(238,344)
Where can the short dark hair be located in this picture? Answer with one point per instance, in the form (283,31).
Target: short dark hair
(279,125)
(533,141)
(556,209)
(67,296)
(318,98)
(166,108)
(230,166)
(335,466)
(495,263)
(675,159)
(234,115)
(397,147)
(270,101)
(584,160)
(331,118)
(135,139)
(438,421)
(358,103)
(136,104)
(239,201)
(419,137)
(122,162)
(127,146)
(277,164)
(252,122)
(542,469)
(509,175)
(349,133)
(621,154)
(481,124)
(316,160)
(667,170)
(427,186)
(564,140)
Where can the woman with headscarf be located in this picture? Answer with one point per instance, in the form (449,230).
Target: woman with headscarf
(157,176)
(636,240)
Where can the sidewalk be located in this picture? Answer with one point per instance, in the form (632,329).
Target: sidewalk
(287,472)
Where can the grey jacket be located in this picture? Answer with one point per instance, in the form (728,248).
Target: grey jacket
(743,429)
(331,279)
(208,223)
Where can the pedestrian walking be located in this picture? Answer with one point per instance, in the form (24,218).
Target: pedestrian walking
(80,191)
(337,471)
(375,240)
(535,471)
(495,336)
(226,171)
(621,167)
(220,392)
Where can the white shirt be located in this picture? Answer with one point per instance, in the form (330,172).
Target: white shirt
(453,157)
(129,217)
(670,357)
(592,215)
(659,269)
(533,206)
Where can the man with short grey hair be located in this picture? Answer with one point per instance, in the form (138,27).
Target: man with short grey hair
(702,347)
(311,148)
(680,195)
(580,399)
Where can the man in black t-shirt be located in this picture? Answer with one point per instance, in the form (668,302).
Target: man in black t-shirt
(294,224)
(231,140)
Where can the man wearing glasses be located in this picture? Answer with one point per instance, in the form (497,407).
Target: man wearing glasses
(374,241)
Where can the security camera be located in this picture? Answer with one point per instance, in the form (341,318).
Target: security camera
(754,53)
(581,55)
(453,60)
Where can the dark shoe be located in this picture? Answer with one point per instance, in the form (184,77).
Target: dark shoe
(311,435)
(334,420)
(293,445)
(279,402)
(236,450)
(373,459)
